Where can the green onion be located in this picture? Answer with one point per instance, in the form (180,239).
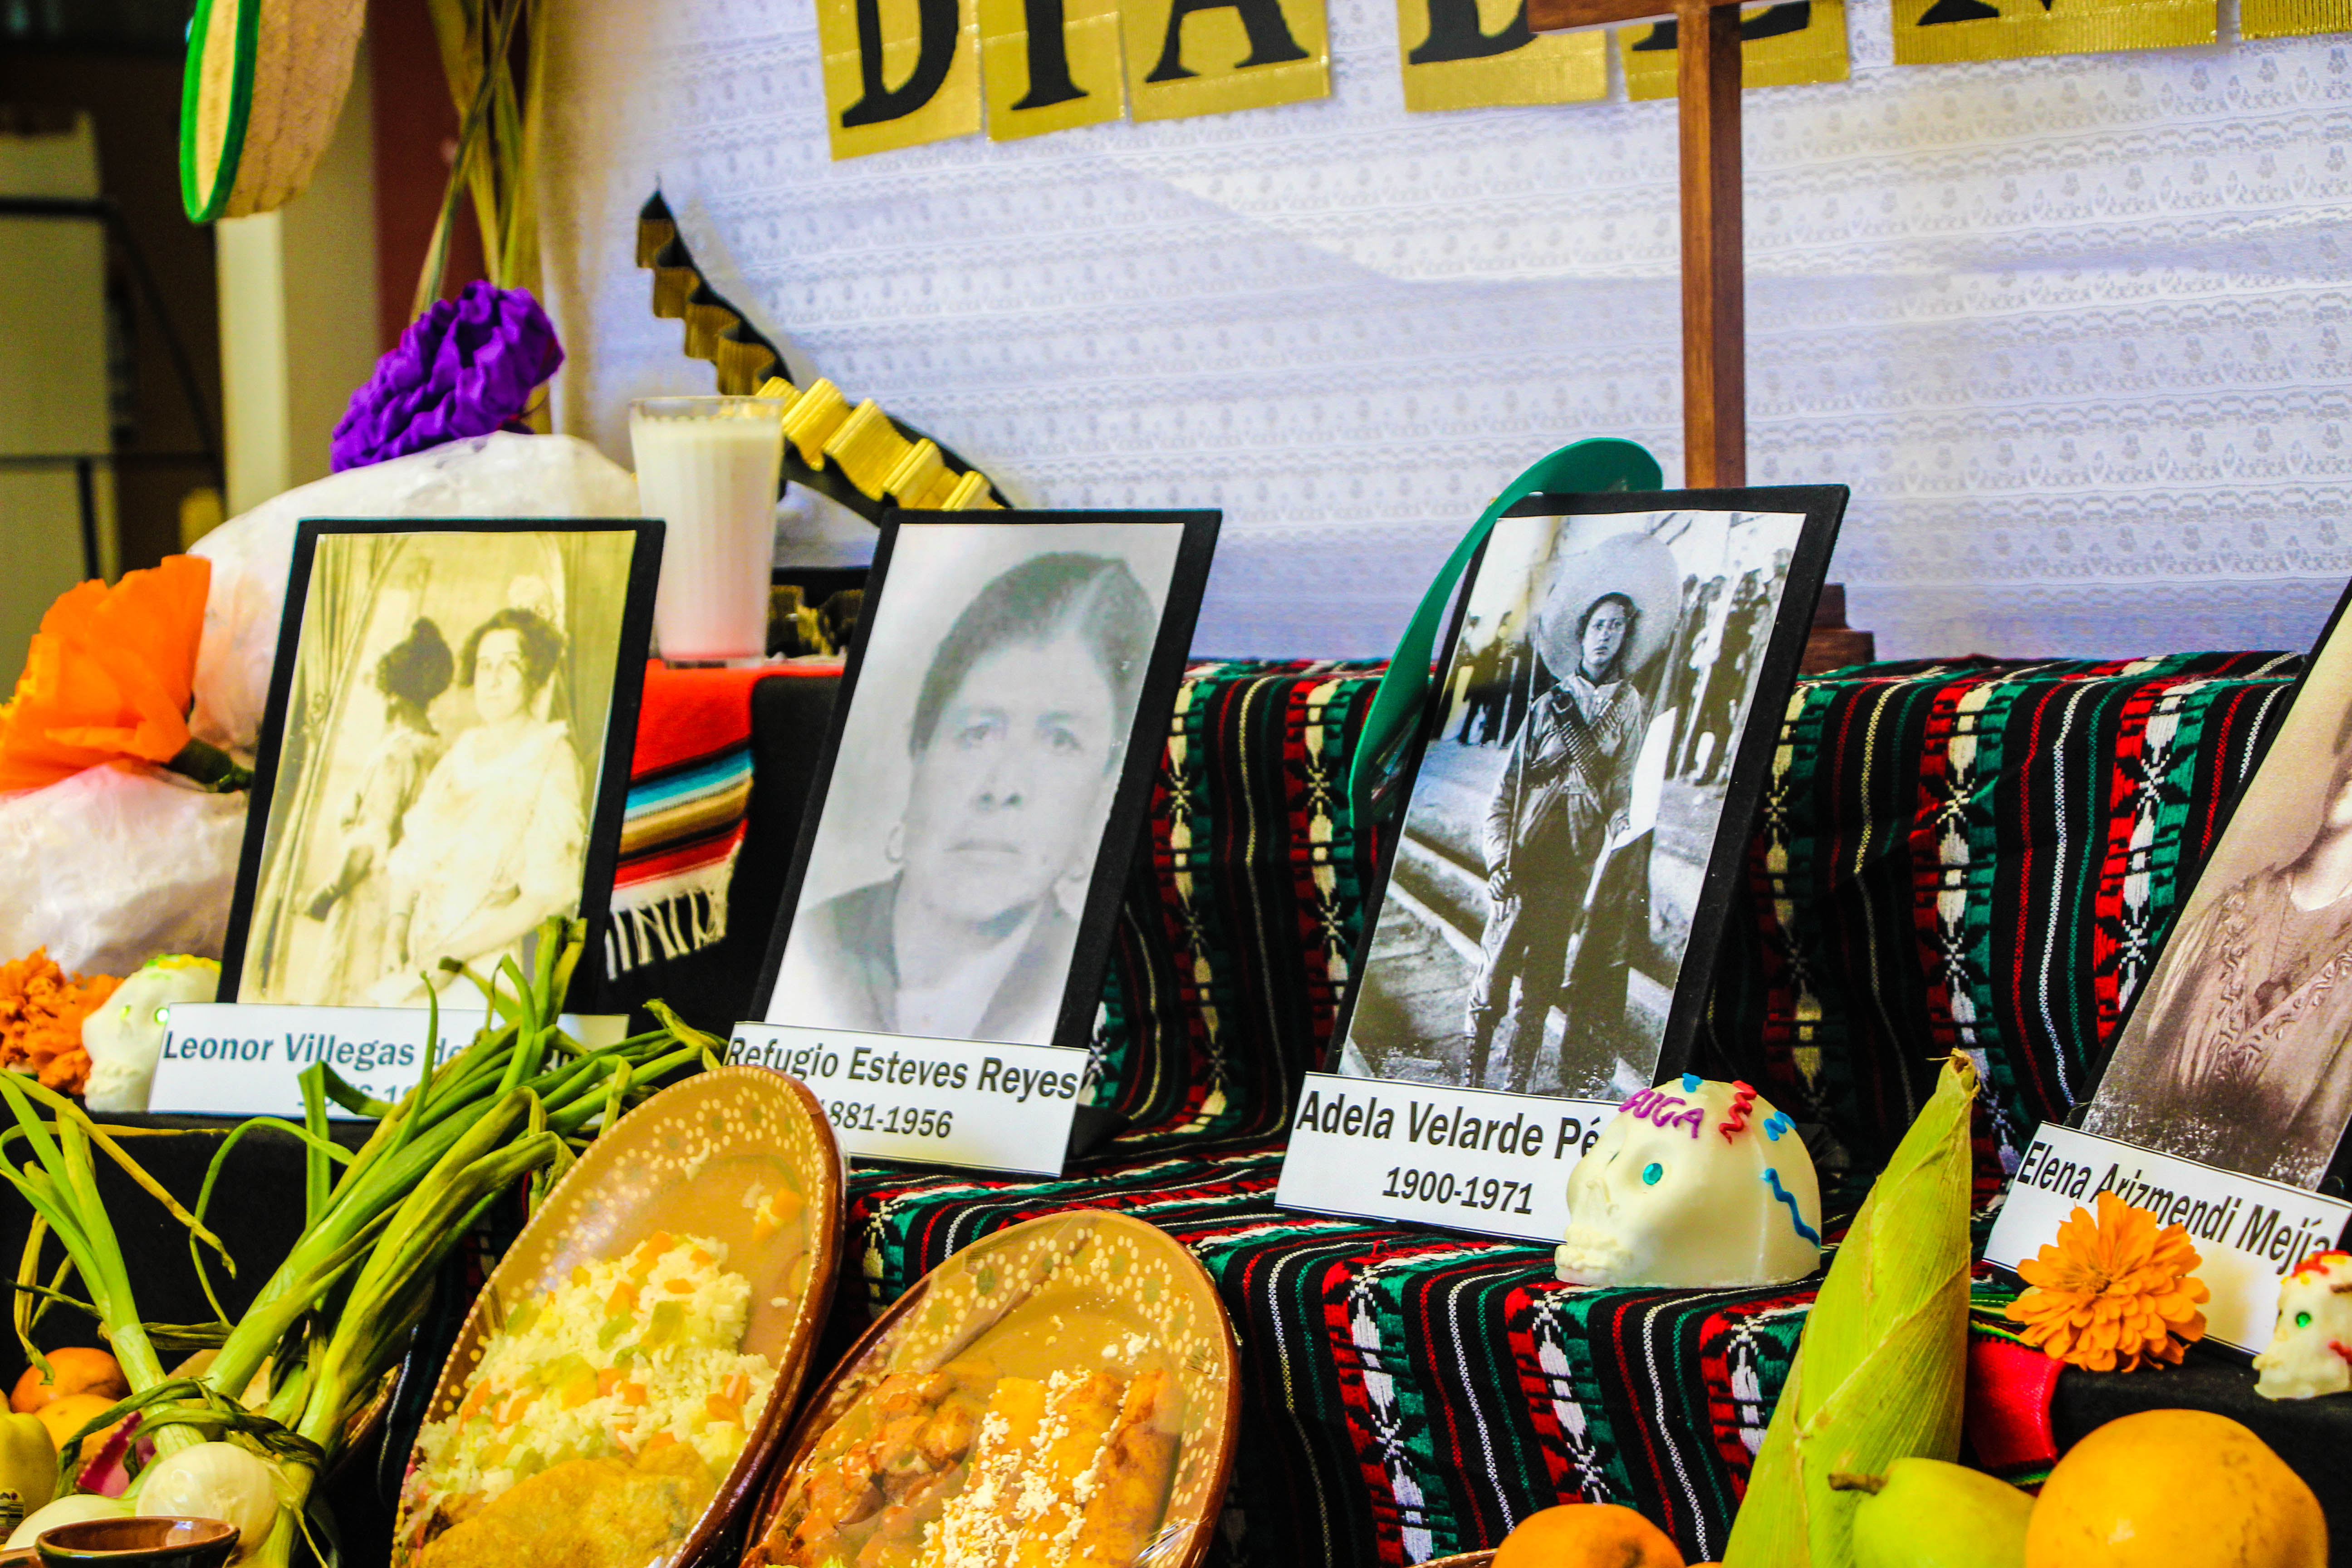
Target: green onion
(336,1316)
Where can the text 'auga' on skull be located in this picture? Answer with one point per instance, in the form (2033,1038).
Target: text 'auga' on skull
(1693,1184)
(2311,1352)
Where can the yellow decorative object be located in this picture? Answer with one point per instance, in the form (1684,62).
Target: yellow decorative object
(813,418)
(1880,1371)
(2175,1489)
(1036,81)
(1934,32)
(1772,51)
(867,447)
(2292,19)
(898,75)
(860,457)
(1460,54)
(2113,1294)
(1211,57)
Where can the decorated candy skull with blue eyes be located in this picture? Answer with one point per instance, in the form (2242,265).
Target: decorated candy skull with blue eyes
(1693,1183)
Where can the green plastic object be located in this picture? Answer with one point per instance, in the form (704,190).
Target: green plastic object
(1582,467)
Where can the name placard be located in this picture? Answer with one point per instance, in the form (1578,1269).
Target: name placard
(239,1059)
(935,1102)
(2248,1231)
(1466,1159)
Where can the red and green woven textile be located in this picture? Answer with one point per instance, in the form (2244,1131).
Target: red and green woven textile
(1406,1395)
(1242,906)
(1972,855)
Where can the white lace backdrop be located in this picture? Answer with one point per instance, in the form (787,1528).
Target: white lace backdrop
(2078,330)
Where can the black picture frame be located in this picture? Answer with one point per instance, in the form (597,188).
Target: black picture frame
(1822,510)
(1131,798)
(604,820)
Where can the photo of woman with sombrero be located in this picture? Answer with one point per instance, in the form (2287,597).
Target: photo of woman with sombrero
(1564,797)
(1549,872)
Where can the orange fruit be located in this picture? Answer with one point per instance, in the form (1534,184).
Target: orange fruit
(2174,1488)
(76,1369)
(1587,1535)
(70,1413)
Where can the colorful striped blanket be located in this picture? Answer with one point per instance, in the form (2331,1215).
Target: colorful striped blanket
(689,787)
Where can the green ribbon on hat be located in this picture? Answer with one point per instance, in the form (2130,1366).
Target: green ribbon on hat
(1582,467)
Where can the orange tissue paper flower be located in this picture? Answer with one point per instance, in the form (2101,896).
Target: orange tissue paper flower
(110,678)
(41,1010)
(2114,1293)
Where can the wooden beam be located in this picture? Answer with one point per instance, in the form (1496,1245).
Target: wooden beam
(1714,317)
(1558,16)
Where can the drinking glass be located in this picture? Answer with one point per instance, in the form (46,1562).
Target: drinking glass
(708,467)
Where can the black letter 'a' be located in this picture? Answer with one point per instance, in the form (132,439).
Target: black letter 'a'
(1049,56)
(937,53)
(1269,35)
(1455,34)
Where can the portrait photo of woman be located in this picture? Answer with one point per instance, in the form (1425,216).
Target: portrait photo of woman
(988,734)
(2239,1054)
(440,760)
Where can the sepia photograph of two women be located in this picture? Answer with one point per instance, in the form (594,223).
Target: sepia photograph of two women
(439,766)
(1559,829)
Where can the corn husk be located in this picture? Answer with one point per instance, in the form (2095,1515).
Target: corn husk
(1881,1369)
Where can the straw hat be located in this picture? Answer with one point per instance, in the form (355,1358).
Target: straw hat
(1634,564)
(264,89)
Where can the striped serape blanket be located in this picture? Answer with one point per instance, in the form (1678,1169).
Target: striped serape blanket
(689,788)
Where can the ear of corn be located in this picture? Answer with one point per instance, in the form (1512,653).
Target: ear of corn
(1881,1369)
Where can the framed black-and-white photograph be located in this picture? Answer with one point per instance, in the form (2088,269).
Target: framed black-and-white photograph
(444,759)
(2238,1051)
(1586,789)
(987,774)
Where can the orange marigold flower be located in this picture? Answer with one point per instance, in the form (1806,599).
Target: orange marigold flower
(110,678)
(41,1010)
(2114,1293)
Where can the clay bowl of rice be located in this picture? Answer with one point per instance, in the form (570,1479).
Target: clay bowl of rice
(618,1386)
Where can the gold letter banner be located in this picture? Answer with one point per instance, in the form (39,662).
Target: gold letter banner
(1931,32)
(1783,45)
(1206,57)
(1467,54)
(897,72)
(1049,65)
(2292,18)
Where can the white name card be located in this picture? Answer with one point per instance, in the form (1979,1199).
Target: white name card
(1465,1159)
(932,1102)
(2248,1231)
(240,1058)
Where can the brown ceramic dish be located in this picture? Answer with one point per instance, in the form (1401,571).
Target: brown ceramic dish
(1048,1303)
(690,1162)
(140,1541)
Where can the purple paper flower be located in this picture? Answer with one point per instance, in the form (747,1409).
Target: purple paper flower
(466,367)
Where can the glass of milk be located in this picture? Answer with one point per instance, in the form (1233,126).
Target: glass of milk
(708,466)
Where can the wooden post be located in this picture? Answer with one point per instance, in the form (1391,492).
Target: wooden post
(1715,315)
(1715,310)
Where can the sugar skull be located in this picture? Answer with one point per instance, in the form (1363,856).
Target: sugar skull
(125,1035)
(2311,1352)
(1692,1184)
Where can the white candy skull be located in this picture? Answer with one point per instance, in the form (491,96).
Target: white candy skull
(2311,1352)
(1693,1184)
(124,1036)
